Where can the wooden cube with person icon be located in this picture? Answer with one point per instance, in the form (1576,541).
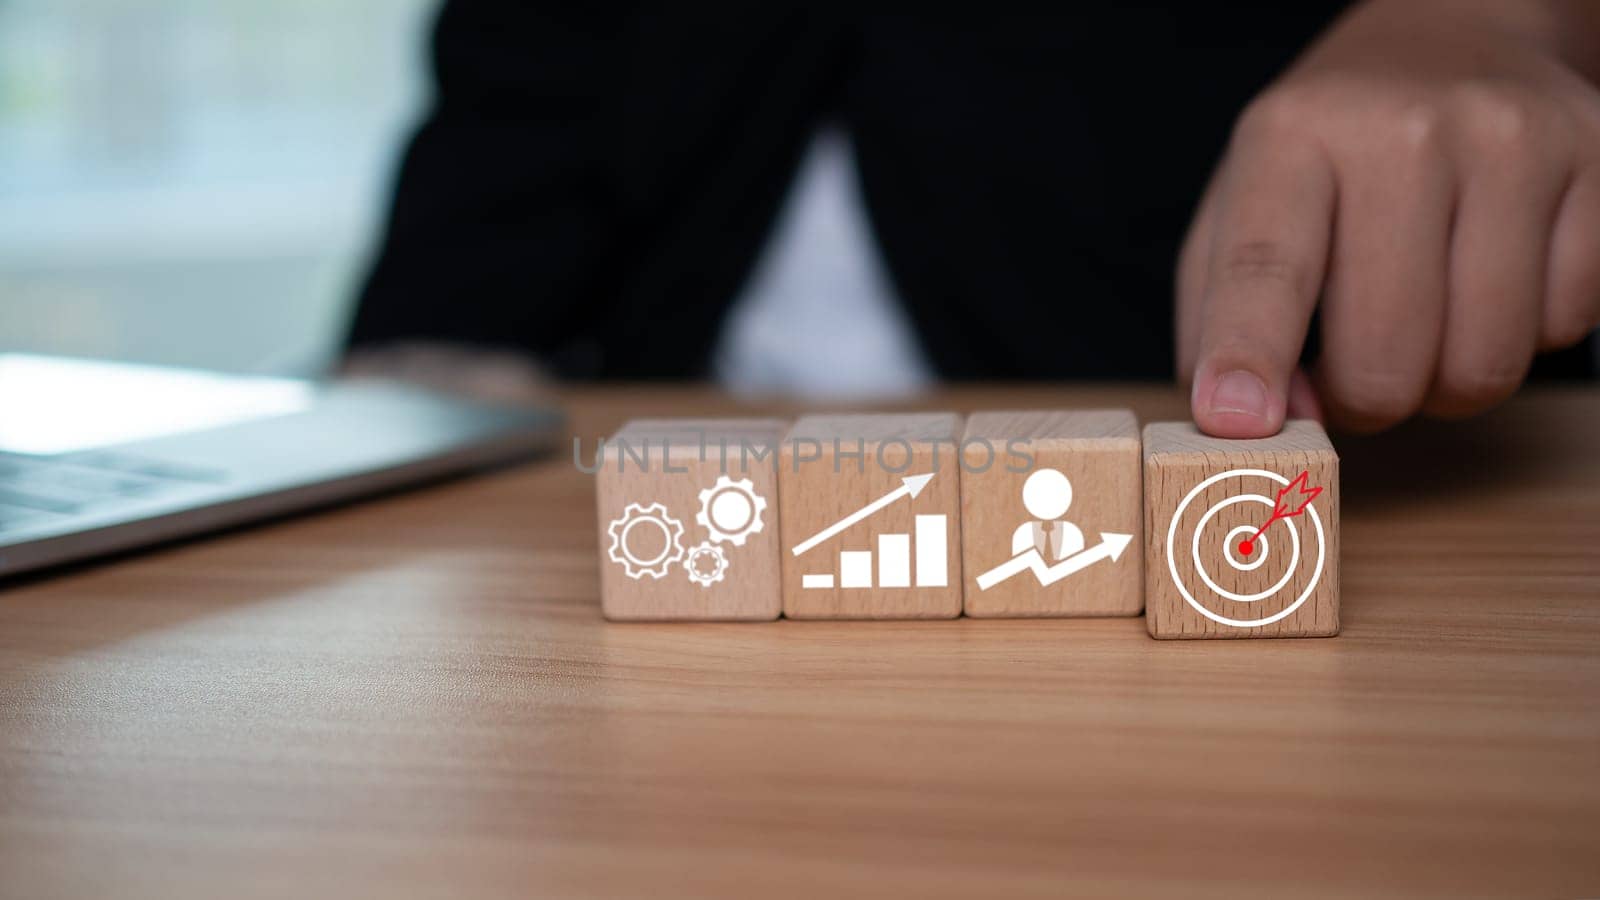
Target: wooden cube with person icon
(1050,513)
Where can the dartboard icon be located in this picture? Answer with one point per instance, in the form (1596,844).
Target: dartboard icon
(1232,568)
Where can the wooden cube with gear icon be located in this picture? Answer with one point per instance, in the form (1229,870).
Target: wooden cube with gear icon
(688,520)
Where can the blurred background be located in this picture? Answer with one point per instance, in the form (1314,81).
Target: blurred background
(201,183)
(177,168)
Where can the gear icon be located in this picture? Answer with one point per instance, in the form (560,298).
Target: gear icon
(705,564)
(635,528)
(731,510)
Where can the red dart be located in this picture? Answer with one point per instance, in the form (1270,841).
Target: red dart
(1281,510)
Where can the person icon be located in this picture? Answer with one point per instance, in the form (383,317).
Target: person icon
(1047,494)
(1049,546)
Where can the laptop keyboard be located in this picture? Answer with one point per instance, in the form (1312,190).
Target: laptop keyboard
(34,488)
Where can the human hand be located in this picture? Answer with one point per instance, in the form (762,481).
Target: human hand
(1429,172)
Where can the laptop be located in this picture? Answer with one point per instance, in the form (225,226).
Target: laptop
(100,457)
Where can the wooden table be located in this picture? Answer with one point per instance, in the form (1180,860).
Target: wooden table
(417,697)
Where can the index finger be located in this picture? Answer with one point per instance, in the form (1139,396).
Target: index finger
(1264,271)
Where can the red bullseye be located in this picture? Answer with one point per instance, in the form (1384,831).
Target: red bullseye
(1246,547)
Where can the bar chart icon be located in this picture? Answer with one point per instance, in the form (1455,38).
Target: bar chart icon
(922,556)
(855,569)
(894,560)
(897,560)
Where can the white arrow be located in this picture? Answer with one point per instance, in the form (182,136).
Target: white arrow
(910,486)
(1110,547)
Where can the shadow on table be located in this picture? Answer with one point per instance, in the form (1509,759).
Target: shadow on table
(1532,443)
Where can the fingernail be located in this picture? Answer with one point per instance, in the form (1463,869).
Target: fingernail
(1240,392)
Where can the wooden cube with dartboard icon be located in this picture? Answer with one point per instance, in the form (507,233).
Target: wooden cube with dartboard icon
(1242,536)
(688,520)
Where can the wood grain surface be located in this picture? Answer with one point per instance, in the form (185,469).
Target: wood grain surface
(418,697)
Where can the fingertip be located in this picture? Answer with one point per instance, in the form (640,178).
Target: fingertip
(1236,404)
(1235,426)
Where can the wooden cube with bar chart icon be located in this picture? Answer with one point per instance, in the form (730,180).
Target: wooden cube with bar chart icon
(1242,536)
(870,517)
(1050,513)
(688,526)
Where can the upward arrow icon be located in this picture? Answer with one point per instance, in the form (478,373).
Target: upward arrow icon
(910,486)
(1110,547)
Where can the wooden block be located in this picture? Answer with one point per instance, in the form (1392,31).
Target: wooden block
(870,516)
(1050,514)
(688,519)
(1211,571)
